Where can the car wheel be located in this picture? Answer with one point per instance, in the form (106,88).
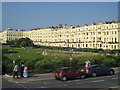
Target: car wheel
(82,76)
(64,78)
(94,74)
(111,72)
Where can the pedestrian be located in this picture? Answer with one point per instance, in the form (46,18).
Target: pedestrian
(87,63)
(25,72)
(15,70)
(22,69)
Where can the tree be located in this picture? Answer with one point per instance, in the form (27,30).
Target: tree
(10,42)
(23,44)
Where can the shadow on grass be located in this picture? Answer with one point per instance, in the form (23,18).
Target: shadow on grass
(8,51)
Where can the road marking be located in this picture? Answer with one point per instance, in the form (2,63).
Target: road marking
(98,81)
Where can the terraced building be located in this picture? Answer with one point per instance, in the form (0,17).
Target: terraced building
(100,36)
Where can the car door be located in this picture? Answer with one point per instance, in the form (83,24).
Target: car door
(101,70)
(76,73)
(105,70)
(73,73)
(67,73)
(98,70)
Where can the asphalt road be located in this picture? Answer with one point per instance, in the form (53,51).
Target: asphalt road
(109,81)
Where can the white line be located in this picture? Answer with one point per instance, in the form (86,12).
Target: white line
(98,81)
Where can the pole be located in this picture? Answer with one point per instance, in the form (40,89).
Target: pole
(70,63)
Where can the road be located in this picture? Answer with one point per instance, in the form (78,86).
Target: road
(109,81)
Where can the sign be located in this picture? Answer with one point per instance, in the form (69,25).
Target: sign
(70,58)
(70,54)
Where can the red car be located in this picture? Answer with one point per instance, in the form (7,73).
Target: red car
(68,73)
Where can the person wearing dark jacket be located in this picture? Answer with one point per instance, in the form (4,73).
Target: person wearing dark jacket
(22,69)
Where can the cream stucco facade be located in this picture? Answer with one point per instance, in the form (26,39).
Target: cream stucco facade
(100,36)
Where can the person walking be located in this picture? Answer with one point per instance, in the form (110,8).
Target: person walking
(15,70)
(25,72)
(87,63)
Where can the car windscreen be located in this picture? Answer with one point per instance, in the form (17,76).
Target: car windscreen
(58,70)
(91,67)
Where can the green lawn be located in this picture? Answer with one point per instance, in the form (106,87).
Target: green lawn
(53,59)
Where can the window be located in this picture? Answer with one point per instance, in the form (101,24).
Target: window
(91,33)
(73,70)
(99,32)
(114,46)
(87,33)
(107,33)
(67,70)
(115,40)
(112,39)
(78,45)
(106,27)
(112,32)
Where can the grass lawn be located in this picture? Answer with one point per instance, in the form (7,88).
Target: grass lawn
(48,60)
(31,53)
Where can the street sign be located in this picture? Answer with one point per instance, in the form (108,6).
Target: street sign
(70,58)
(70,54)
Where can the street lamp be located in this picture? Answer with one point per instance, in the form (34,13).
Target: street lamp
(70,60)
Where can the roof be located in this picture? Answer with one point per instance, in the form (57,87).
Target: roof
(65,67)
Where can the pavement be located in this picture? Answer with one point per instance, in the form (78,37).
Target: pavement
(31,78)
(37,77)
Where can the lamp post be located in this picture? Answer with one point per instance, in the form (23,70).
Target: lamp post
(70,60)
